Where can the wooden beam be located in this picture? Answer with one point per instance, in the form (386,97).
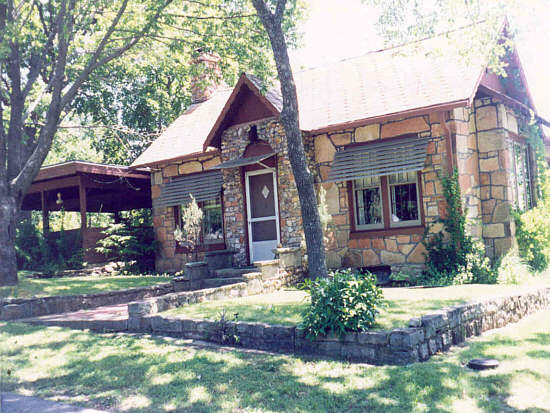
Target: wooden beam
(54,184)
(45,214)
(82,197)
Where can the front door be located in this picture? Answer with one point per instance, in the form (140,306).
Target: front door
(263,214)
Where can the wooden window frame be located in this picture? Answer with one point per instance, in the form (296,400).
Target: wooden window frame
(410,223)
(387,230)
(203,246)
(367,227)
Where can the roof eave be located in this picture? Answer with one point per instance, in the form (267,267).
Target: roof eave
(392,116)
(187,157)
(243,80)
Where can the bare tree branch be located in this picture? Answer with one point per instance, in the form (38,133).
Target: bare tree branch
(37,62)
(230,17)
(24,178)
(95,63)
(280,11)
(116,128)
(99,50)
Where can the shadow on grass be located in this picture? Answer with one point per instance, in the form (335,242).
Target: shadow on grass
(396,313)
(143,374)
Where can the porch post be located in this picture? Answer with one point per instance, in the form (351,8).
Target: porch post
(82,197)
(45,214)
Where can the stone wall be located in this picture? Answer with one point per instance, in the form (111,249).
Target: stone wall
(481,141)
(495,125)
(16,308)
(268,279)
(399,248)
(234,142)
(167,258)
(425,336)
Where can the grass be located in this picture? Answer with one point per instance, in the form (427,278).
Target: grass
(400,304)
(144,374)
(34,287)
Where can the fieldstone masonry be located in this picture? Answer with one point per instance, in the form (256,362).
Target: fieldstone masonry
(425,336)
(399,249)
(495,125)
(168,259)
(16,308)
(234,142)
(481,137)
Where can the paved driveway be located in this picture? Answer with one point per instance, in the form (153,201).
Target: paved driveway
(15,403)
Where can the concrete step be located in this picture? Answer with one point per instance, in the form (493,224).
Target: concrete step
(218,282)
(233,272)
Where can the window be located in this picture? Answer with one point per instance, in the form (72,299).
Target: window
(393,198)
(404,199)
(212,223)
(522,177)
(368,203)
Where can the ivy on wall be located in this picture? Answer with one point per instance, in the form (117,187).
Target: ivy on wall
(453,256)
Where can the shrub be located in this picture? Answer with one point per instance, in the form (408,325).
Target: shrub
(57,251)
(512,269)
(454,258)
(189,235)
(225,330)
(533,236)
(341,303)
(135,245)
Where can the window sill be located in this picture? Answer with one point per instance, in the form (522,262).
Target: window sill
(386,232)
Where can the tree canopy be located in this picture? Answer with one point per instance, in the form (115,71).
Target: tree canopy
(97,61)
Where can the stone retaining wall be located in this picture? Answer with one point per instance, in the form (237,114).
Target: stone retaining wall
(423,338)
(140,312)
(16,308)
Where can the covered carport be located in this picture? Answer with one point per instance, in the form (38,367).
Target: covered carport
(88,187)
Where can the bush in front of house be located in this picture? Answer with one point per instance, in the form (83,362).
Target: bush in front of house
(132,242)
(512,269)
(453,256)
(343,302)
(533,236)
(50,253)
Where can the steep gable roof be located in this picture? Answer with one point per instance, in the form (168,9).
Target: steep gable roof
(411,79)
(271,103)
(185,136)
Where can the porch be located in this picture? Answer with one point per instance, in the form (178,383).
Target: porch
(87,187)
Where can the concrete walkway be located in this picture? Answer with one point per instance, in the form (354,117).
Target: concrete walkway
(108,318)
(15,403)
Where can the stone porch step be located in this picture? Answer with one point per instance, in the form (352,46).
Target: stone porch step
(218,282)
(233,272)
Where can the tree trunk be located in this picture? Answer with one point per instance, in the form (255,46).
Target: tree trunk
(8,220)
(289,117)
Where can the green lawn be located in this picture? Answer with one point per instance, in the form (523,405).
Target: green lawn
(34,287)
(400,304)
(144,374)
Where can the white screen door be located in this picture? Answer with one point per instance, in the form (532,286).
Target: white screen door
(263,214)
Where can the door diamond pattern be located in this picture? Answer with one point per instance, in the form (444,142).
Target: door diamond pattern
(265,192)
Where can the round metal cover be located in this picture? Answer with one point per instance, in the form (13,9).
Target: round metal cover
(483,364)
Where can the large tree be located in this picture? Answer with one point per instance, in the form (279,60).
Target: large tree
(53,51)
(274,17)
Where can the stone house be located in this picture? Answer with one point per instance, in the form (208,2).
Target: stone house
(380,130)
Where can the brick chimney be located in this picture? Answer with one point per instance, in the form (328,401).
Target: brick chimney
(207,76)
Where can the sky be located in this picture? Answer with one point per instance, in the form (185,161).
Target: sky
(338,29)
